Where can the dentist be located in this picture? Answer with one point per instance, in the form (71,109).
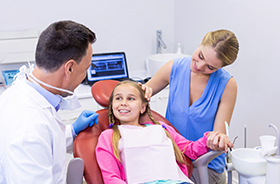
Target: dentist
(33,138)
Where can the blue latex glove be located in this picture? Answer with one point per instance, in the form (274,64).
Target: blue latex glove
(86,119)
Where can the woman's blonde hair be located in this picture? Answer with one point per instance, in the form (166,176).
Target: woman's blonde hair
(116,133)
(224,43)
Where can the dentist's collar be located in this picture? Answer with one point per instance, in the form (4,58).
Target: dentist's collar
(50,86)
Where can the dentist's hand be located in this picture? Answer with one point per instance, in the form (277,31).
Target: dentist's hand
(86,119)
(218,141)
(148,91)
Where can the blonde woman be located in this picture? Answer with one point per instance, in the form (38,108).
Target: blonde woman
(202,94)
(151,152)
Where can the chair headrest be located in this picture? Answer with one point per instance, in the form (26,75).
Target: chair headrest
(101,91)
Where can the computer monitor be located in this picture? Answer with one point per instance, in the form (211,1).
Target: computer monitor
(107,66)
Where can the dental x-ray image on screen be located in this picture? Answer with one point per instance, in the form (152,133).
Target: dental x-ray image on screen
(107,66)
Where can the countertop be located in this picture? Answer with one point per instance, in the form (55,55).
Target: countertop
(84,91)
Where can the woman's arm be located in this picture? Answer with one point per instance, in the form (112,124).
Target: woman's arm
(159,81)
(109,165)
(226,106)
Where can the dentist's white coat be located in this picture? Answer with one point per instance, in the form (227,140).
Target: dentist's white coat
(33,139)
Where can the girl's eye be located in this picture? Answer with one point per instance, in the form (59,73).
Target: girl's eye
(118,98)
(130,98)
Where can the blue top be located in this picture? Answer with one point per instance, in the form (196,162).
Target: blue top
(192,121)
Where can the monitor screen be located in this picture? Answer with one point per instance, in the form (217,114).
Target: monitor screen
(9,76)
(107,66)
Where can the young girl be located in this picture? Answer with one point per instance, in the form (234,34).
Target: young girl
(146,153)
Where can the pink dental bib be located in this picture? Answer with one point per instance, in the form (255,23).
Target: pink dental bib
(147,155)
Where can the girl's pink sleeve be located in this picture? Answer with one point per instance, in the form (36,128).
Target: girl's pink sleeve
(192,149)
(109,165)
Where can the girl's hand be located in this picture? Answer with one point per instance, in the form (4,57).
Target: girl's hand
(148,91)
(218,141)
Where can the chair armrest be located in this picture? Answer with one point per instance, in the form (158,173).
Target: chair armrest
(202,162)
(75,171)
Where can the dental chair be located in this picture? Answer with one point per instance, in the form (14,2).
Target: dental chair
(86,141)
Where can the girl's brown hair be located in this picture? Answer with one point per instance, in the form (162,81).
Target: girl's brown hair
(116,133)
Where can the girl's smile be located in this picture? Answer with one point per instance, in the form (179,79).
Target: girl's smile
(127,104)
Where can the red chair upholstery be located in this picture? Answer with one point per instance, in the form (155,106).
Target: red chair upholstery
(86,141)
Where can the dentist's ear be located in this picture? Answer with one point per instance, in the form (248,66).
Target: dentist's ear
(69,66)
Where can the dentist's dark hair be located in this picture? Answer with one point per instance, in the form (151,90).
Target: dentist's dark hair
(61,42)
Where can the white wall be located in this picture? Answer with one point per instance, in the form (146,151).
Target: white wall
(120,25)
(256,25)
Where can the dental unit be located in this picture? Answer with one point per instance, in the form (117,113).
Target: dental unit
(260,165)
(273,162)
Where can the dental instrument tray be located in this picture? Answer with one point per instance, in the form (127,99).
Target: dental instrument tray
(105,66)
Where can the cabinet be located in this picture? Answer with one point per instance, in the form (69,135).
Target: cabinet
(159,101)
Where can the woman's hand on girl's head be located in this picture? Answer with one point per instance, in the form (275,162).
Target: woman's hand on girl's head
(148,91)
(218,141)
